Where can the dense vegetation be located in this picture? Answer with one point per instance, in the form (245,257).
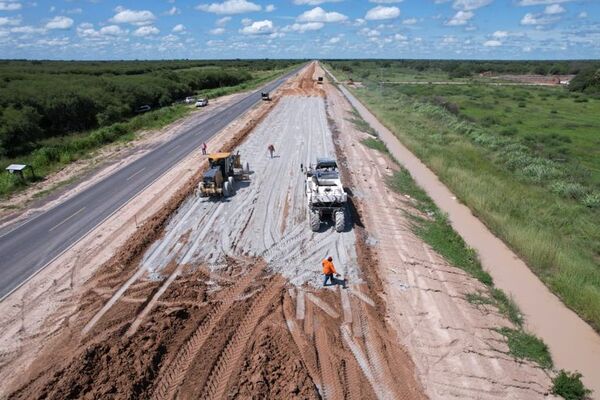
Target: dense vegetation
(464,68)
(45,99)
(587,81)
(524,159)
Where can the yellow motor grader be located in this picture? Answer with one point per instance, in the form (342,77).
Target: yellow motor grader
(219,180)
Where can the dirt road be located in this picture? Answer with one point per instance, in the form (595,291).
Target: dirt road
(225,300)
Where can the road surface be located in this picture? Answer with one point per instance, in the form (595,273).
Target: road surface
(33,244)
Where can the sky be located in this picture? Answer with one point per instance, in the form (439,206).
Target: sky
(185,29)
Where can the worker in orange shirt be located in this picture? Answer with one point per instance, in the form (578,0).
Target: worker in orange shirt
(329,270)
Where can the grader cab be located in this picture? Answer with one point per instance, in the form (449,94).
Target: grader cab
(225,168)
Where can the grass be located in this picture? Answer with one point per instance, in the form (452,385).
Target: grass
(501,161)
(525,346)
(54,154)
(569,386)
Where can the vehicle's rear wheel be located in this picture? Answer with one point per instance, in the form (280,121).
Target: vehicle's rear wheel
(226,189)
(340,221)
(315,221)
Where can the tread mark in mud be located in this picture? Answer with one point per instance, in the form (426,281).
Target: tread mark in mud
(305,348)
(331,385)
(233,352)
(172,376)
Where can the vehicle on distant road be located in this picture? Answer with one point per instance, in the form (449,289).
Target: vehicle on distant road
(202,103)
(143,109)
(320,80)
(265,96)
(189,100)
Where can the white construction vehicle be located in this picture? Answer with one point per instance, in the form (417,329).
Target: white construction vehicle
(325,194)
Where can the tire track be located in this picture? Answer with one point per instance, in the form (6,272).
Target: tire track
(332,387)
(172,376)
(233,352)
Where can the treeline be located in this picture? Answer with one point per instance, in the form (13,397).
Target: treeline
(46,99)
(465,68)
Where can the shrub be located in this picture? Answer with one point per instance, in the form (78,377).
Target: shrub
(591,200)
(568,189)
(510,131)
(522,104)
(569,386)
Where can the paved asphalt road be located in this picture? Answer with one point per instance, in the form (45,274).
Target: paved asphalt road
(32,245)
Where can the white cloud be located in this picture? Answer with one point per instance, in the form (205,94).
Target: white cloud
(27,29)
(537,19)
(5,21)
(370,32)
(74,11)
(492,43)
(178,28)
(125,16)
(59,22)
(222,21)
(173,11)
(112,30)
(317,14)
(583,14)
(359,22)
(10,6)
(540,2)
(146,31)
(246,21)
(313,2)
(258,28)
(230,7)
(53,42)
(500,34)
(554,9)
(460,18)
(270,8)
(381,12)
(400,37)
(386,1)
(217,31)
(409,21)
(335,39)
(470,4)
(307,26)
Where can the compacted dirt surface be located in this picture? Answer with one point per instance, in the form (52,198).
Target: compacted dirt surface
(223,298)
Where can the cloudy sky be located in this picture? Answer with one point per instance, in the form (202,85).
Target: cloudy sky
(106,29)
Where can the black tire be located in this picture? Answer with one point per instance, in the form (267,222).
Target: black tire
(231,182)
(315,221)
(340,221)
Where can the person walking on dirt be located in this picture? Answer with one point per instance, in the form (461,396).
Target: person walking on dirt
(329,270)
(204,148)
(271,149)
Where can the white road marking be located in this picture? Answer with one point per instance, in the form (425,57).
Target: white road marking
(66,219)
(135,174)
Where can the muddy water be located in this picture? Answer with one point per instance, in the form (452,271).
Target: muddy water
(573,343)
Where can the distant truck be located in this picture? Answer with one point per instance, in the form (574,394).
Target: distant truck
(265,96)
(320,80)
(202,103)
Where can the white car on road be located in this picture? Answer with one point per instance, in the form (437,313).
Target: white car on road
(202,103)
